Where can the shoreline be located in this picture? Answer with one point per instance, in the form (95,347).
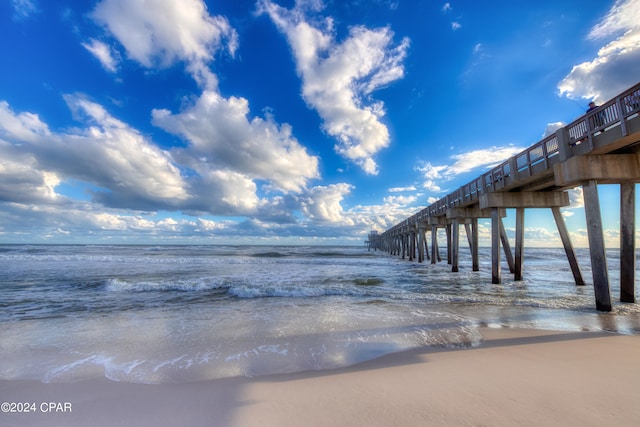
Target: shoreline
(523,377)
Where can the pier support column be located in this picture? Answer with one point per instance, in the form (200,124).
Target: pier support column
(568,247)
(421,236)
(596,246)
(495,245)
(412,244)
(627,242)
(473,244)
(519,243)
(455,242)
(434,244)
(448,231)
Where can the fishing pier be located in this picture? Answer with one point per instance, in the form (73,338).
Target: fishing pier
(600,147)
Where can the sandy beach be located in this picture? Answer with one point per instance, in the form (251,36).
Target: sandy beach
(515,377)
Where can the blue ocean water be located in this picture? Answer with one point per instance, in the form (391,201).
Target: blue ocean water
(167,314)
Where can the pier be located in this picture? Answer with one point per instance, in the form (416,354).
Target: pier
(600,147)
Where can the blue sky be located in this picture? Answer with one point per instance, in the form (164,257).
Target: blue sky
(264,121)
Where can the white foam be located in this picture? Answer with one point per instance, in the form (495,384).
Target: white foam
(199,284)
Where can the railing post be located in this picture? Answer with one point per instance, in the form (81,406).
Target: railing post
(562,135)
(623,123)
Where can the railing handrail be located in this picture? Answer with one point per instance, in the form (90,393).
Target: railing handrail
(614,112)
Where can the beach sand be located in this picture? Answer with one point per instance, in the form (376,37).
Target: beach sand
(516,377)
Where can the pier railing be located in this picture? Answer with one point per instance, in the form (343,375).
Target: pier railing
(577,138)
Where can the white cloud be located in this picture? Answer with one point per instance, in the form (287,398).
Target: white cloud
(622,16)
(400,200)
(227,152)
(21,182)
(401,189)
(617,65)
(455,25)
(103,53)
(484,158)
(117,157)
(159,33)
(25,127)
(120,168)
(430,174)
(576,198)
(446,7)
(222,137)
(80,220)
(338,79)
(322,203)
(223,192)
(108,154)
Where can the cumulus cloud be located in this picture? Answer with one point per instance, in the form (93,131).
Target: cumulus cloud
(215,174)
(130,170)
(617,65)
(107,57)
(21,181)
(227,151)
(121,168)
(323,203)
(338,78)
(159,33)
(221,136)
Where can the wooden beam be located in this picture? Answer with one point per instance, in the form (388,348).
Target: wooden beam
(524,199)
(421,232)
(448,232)
(568,247)
(519,243)
(627,242)
(471,212)
(475,259)
(596,246)
(609,168)
(412,244)
(507,247)
(455,242)
(426,245)
(495,246)
(434,244)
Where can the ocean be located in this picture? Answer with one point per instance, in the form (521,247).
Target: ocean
(177,314)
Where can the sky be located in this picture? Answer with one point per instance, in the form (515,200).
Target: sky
(287,122)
